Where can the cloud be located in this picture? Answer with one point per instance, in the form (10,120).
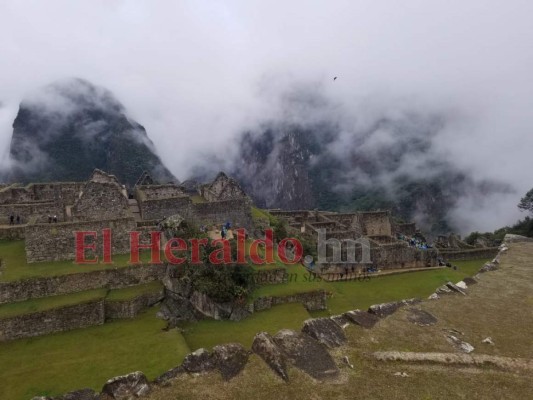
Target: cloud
(196,73)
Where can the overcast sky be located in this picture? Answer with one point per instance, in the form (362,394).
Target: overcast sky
(196,73)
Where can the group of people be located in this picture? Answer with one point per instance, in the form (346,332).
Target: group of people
(415,242)
(52,219)
(13,220)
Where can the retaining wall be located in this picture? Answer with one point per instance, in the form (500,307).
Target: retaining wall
(52,321)
(116,278)
(312,301)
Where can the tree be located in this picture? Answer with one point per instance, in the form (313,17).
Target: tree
(526,202)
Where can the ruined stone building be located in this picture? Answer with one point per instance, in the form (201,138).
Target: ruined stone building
(387,251)
(102,202)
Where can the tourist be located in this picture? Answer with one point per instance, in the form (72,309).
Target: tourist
(18,219)
(49,219)
(55,218)
(11,220)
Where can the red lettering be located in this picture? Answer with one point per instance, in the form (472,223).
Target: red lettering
(268,244)
(224,251)
(154,245)
(195,251)
(175,244)
(81,247)
(106,233)
(297,247)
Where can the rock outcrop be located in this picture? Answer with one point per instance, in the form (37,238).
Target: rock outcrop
(127,387)
(386,309)
(362,318)
(265,347)
(230,359)
(306,354)
(325,331)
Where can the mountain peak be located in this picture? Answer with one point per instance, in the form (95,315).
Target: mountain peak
(65,130)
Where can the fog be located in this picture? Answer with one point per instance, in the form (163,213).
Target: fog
(196,74)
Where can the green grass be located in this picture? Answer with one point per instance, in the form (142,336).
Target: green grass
(355,294)
(48,303)
(134,291)
(258,214)
(345,296)
(55,364)
(15,266)
(58,363)
(209,333)
(198,199)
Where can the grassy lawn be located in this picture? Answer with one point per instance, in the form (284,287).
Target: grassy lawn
(134,291)
(355,294)
(47,303)
(55,364)
(15,266)
(209,333)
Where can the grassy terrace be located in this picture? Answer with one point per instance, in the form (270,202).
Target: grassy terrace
(15,266)
(134,291)
(48,303)
(55,364)
(348,295)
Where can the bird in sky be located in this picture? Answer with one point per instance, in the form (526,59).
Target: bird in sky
(335,78)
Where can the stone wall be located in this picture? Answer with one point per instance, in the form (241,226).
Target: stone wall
(100,201)
(64,192)
(163,208)
(312,301)
(55,242)
(130,308)
(15,232)
(408,229)
(399,255)
(468,254)
(35,211)
(376,223)
(222,188)
(116,278)
(237,211)
(152,192)
(51,321)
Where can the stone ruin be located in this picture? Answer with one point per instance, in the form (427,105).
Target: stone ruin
(49,213)
(387,251)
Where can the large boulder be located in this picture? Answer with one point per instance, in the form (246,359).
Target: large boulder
(326,331)
(264,346)
(306,354)
(199,361)
(362,318)
(230,359)
(386,309)
(127,387)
